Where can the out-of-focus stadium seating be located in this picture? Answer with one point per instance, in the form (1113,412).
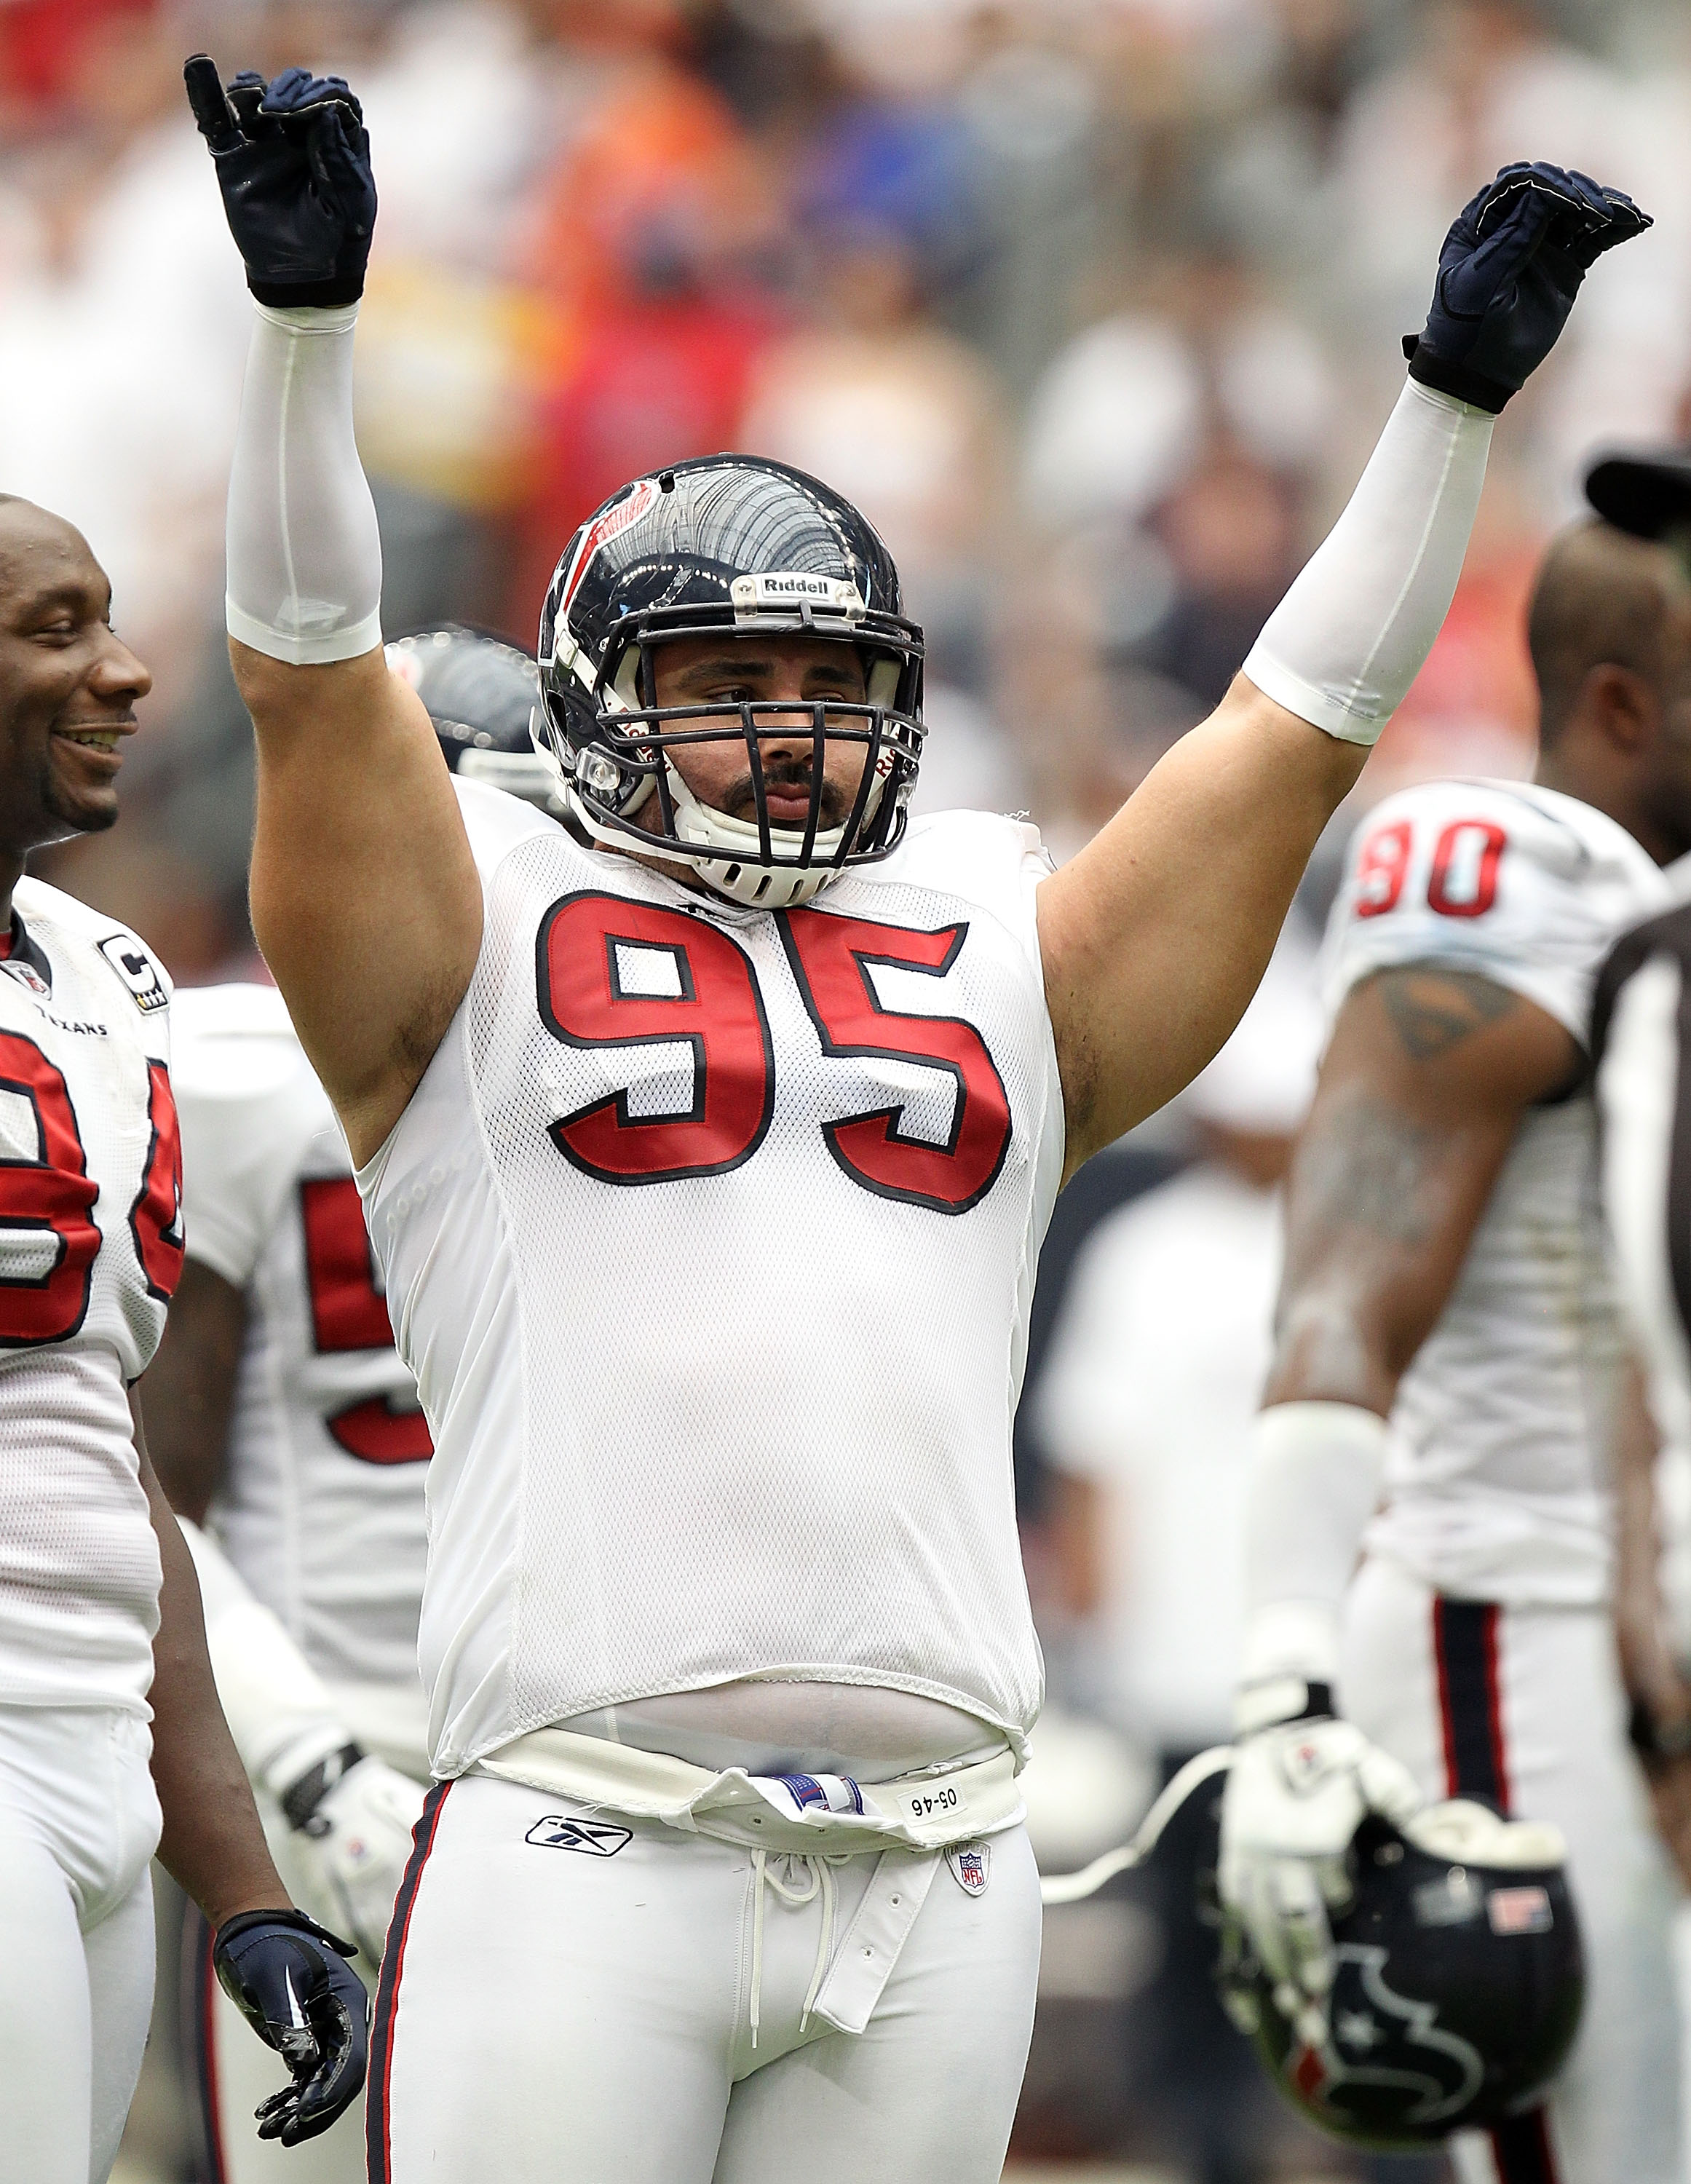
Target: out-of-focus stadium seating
(1093,303)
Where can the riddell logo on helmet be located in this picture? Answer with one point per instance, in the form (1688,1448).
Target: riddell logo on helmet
(781,588)
(778,585)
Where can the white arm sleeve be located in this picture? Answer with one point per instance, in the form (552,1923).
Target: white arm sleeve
(1342,647)
(304,553)
(277,1707)
(1316,1470)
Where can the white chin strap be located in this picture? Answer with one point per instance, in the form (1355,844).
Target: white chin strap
(726,852)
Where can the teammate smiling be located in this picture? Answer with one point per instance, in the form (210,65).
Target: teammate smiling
(706,1145)
(100,1631)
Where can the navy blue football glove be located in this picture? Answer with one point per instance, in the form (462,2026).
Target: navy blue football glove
(284,1973)
(292,159)
(1509,269)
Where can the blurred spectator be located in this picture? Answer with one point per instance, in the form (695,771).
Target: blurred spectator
(654,235)
(896,412)
(1230,530)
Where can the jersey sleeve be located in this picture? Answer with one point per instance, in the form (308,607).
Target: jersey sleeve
(497,823)
(1507,883)
(235,1071)
(996,861)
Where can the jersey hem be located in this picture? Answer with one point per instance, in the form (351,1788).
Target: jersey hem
(1014,1734)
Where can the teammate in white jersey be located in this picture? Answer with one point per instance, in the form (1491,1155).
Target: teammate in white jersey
(282,1422)
(100,1629)
(1449,1347)
(706,1144)
(1643,1093)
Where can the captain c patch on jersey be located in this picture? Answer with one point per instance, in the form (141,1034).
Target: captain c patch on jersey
(137,970)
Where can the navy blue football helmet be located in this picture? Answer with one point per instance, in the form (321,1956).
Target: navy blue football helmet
(480,693)
(1460,1980)
(743,549)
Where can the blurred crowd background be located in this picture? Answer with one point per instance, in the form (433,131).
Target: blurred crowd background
(1095,306)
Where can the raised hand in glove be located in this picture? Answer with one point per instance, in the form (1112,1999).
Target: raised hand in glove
(1296,1794)
(353,1824)
(285,1973)
(1509,269)
(292,160)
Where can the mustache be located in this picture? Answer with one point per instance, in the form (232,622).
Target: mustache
(741,800)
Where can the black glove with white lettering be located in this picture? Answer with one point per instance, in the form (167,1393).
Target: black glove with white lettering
(284,1973)
(292,160)
(1509,269)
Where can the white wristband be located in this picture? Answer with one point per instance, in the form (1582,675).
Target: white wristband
(1315,1474)
(1344,644)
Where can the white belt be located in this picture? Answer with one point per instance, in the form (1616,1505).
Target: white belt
(813,1821)
(796,1813)
(845,1984)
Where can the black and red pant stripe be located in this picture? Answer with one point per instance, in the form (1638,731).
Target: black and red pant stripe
(1466,1636)
(378,2139)
(199,2045)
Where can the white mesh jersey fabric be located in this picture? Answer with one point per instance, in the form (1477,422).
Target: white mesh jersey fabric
(85,1122)
(321,1507)
(1496,1482)
(751,1422)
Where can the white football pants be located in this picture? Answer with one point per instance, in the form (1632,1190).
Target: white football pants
(79,1824)
(1524,1705)
(565,2000)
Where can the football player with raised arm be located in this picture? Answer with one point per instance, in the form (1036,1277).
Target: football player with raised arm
(705,1143)
(286,1432)
(1449,1367)
(111,1742)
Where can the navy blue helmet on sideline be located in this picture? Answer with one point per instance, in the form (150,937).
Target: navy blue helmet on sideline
(739,547)
(480,691)
(1460,1978)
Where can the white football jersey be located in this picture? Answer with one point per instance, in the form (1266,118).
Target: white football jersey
(91,1247)
(321,1509)
(1497,1480)
(709,1234)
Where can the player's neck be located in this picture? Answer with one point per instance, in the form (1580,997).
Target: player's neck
(11,872)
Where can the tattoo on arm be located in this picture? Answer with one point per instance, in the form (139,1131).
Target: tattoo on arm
(1365,1169)
(1434,1011)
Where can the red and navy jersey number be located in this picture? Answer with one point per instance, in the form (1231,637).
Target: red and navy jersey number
(586,947)
(1462,882)
(715,1010)
(349,1312)
(46,1206)
(155,1219)
(831,957)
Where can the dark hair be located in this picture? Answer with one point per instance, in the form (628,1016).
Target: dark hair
(1599,601)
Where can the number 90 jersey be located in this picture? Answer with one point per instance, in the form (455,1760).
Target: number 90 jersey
(91,1247)
(1497,1480)
(709,1234)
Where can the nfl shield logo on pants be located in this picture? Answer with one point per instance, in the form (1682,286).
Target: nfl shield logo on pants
(972,1863)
